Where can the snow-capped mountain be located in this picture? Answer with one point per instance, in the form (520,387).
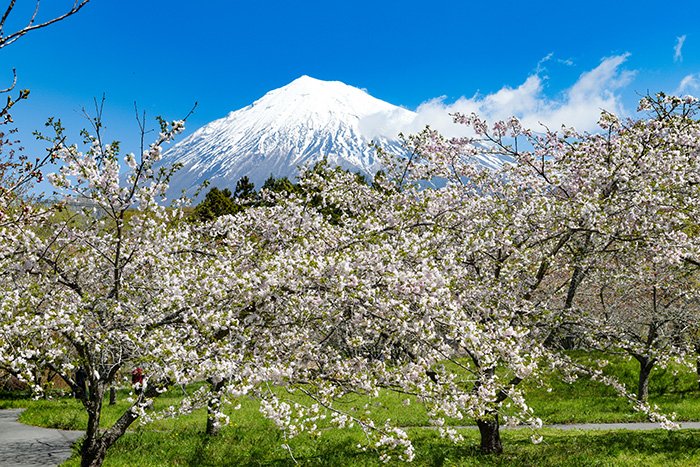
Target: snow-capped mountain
(300,123)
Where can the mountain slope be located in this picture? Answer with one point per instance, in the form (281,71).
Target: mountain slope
(300,123)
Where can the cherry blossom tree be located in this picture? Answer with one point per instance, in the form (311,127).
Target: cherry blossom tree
(112,281)
(506,270)
(395,289)
(644,310)
(519,242)
(458,294)
(640,297)
(118,284)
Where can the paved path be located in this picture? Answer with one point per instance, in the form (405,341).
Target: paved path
(29,446)
(635,426)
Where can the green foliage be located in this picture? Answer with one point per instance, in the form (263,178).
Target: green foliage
(280,185)
(216,203)
(245,189)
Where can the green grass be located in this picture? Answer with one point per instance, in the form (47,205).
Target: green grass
(259,444)
(674,390)
(252,440)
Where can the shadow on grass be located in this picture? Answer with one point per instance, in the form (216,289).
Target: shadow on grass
(245,447)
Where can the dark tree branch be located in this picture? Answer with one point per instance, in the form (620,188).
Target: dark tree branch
(8,39)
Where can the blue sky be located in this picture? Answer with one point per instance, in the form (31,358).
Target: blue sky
(541,60)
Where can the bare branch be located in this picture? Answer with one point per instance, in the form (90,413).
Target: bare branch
(8,39)
(14,82)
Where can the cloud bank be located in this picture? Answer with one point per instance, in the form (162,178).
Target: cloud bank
(578,106)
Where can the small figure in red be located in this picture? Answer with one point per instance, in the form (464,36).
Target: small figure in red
(137,379)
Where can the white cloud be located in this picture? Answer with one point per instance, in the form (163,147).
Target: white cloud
(540,68)
(678,49)
(578,106)
(565,61)
(540,65)
(688,83)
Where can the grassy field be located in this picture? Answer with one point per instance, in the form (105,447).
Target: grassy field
(260,445)
(252,440)
(674,390)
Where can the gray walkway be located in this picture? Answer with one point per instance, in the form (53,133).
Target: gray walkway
(636,426)
(24,446)
(633,426)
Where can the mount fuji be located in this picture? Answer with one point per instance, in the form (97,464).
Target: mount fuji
(301,123)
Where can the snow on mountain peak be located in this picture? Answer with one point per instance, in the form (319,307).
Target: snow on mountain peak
(300,123)
(309,95)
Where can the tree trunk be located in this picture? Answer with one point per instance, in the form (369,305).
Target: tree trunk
(96,444)
(93,454)
(94,449)
(490,435)
(697,362)
(212,427)
(112,395)
(568,341)
(646,364)
(213,407)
